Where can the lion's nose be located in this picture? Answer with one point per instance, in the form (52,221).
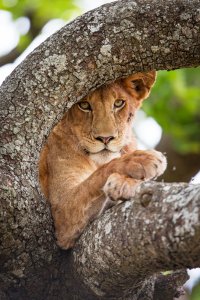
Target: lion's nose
(105,139)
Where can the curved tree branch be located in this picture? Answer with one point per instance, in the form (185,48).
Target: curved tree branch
(113,41)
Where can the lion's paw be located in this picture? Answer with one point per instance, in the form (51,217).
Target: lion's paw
(153,163)
(120,187)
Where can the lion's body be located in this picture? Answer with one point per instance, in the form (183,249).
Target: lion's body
(91,154)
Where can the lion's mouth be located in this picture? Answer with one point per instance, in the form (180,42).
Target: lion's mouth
(102,149)
(107,152)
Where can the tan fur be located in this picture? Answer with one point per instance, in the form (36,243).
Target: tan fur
(77,173)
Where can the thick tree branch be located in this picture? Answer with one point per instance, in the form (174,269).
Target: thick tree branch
(139,241)
(112,41)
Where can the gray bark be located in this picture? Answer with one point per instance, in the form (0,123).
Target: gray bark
(113,41)
(142,240)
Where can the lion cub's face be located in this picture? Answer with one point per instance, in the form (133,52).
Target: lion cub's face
(102,121)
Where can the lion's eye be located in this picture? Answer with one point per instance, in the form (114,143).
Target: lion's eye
(119,103)
(84,106)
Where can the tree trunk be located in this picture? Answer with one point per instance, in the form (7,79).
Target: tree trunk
(120,254)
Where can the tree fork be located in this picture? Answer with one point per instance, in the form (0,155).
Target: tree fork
(112,41)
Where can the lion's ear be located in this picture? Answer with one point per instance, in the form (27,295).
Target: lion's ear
(139,85)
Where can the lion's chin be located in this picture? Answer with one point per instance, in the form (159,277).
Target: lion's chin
(104,156)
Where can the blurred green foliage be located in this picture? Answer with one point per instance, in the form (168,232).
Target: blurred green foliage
(39,12)
(175,104)
(42,10)
(195,293)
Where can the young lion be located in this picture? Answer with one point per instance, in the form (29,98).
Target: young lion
(91,155)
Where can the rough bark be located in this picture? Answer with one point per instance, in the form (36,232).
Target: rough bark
(102,45)
(139,240)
